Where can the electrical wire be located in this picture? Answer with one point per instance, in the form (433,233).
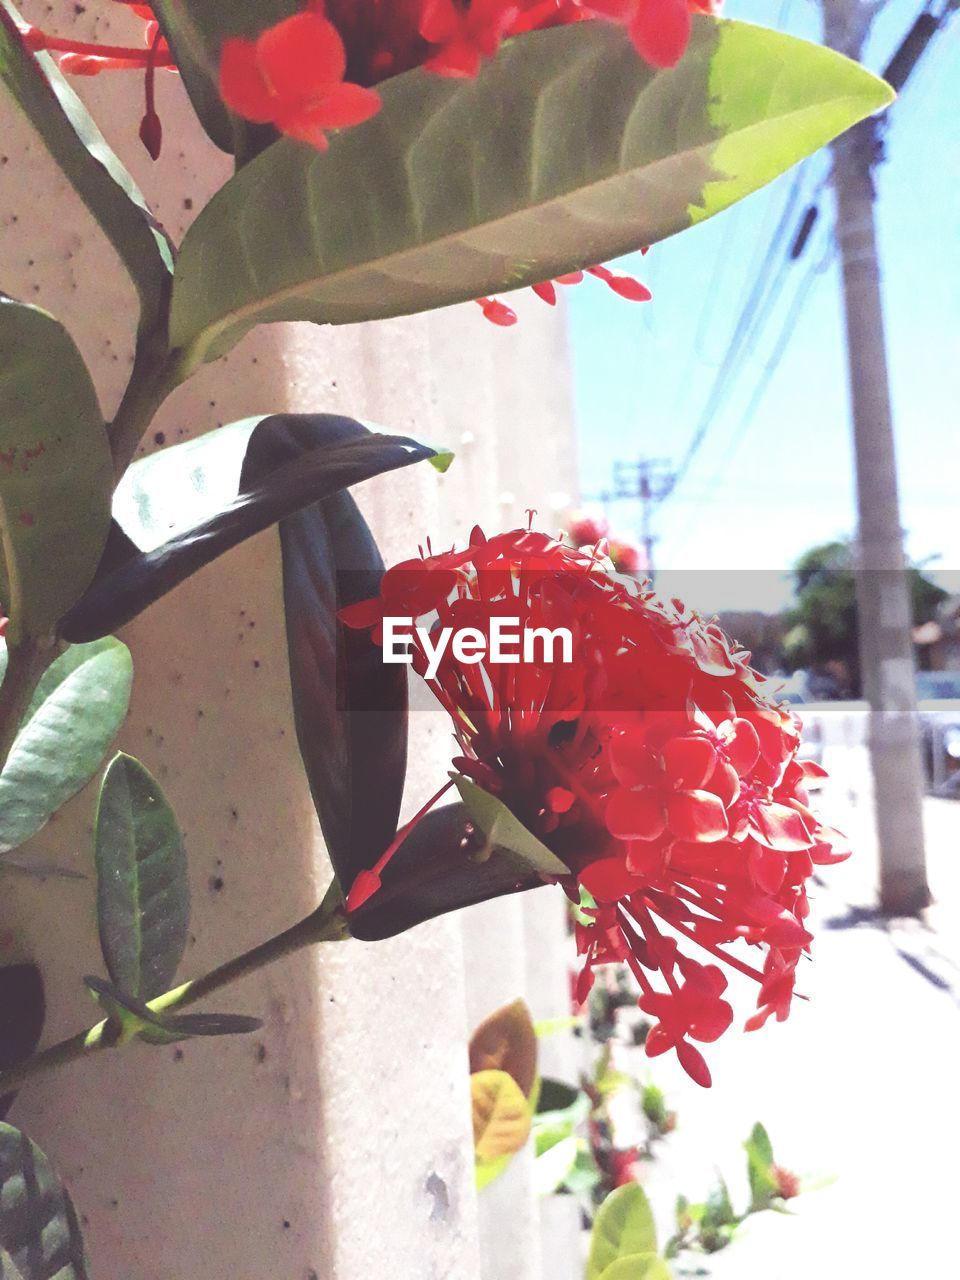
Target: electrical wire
(772,364)
(760,296)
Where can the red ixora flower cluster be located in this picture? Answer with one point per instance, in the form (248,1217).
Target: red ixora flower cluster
(653,765)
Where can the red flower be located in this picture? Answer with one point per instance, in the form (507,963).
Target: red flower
(653,765)
(291,76)
(464,33)
(586,530)
(626,557)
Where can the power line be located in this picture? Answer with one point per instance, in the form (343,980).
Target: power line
(772,364)
(765,290)
(759,296)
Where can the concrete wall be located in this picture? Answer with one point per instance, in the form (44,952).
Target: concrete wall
(336,1143)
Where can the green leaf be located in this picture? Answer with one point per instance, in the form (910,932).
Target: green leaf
(552,1026)
(349,706)
(553,1164)
(39,1230)
(99,179)
(557,1095)
(567,149)
(505,832)
(444,840)
(77,709)
(638,1266)
(623,1227)
(719,1208)
(134,1018)
(181,510)
(22,1011)
(763,1183)
(56,476)
(212,1024)
(486,1171)
(143,889)
(196,30)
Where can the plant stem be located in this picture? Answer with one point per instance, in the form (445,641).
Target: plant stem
(327,924)
(25,664)
(151,381)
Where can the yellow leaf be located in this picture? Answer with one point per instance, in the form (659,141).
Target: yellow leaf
(501,1115)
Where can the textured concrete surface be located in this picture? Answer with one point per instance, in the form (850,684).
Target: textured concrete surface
(334,1145)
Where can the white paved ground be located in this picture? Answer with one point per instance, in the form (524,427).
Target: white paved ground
(861,1083)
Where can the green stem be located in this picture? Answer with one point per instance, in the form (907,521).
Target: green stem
(26,663)
(326,924)
(151,381)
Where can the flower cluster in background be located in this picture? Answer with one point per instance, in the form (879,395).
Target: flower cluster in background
(586,532)
(654,766)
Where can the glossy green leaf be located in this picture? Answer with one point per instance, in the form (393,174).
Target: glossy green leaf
(99,179)
(638,1266)
(196,30)
(22,1011)
(77,709)
(38,1223)
(143,888)
(349,706)
(623,1227)
(56,476)
(567,149)
(179,510)
(441,866)
(506,833)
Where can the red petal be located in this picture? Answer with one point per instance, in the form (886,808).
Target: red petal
(689,762)
(781,827)
(660,29)
(608,880)
(694,1064)
(697,816)
(348,104)
(301,57)
(742,746)
(636,815)
(242,86)
(767,868)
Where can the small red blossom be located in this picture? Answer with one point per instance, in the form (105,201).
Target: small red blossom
(292,76)
(654,765)
(586,530)
(788,1184)
(626,556)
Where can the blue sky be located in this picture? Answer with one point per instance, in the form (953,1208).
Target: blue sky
(760,492)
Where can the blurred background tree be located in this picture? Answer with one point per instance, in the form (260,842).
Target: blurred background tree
(820,631)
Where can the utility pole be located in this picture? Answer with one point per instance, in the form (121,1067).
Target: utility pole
(883,598)
(649,481)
